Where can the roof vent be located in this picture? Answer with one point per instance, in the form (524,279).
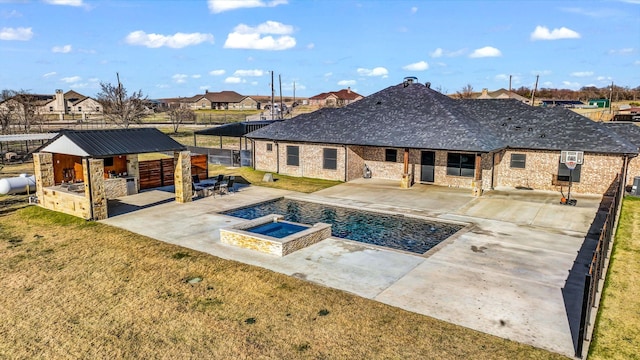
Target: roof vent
(409,80)
(428,85)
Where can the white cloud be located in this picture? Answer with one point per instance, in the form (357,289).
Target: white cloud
(254,72)
(218,6)
(637,62)
(515,79)
(581,73)
(217,72)
(625,51)
(547,84)
(49,74)
(346,82)
(543,33)
(162,86)
(329,74)
(196,76)
(311,46)
(487,51)
(21,34)
(204,87)
(379,71)
(418,66)
(176,41)
(71,79)
(439,52)
(180,78)
(246,37)
(233,80)
(65,2)
(414,10)
(571,85)
(10,14)
(61,49)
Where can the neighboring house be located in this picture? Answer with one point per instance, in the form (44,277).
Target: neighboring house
(502,94)
(631,132)
(410,132)
(223,100)
(335,98)
(70,102)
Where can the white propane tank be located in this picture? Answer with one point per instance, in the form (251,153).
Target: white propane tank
(17,185)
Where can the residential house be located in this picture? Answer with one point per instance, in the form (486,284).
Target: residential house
(335,98)
(70,102)
(411,133)
(223,100)
(501,94)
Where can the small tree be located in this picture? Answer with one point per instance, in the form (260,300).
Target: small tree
(466,92)
(119,108)
(180,115)
(7,110)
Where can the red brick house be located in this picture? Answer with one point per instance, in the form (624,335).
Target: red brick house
(335,98)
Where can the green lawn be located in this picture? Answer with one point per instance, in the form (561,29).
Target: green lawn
(617,332)
(247,175)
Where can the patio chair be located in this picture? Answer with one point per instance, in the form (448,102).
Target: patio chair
(220,178)
(195,179)
(198,190)
(215,188)
(231,184)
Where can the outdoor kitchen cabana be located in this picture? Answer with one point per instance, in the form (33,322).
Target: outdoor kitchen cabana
(78,171)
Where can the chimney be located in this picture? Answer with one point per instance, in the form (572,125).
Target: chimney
(206,91)
(60,101)
(409,80)
(485,91)
(348,89)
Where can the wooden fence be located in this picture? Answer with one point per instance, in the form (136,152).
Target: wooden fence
(157,173)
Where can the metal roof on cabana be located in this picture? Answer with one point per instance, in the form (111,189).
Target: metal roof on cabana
(27,137)
(237,129)
(112,142)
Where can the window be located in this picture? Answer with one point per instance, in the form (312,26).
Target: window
(330,159)
(69,108)
(79,108)
(50,108)
(563,172)
(461,164)
(269,147)
(108,161)
(518,161)
(97,108)
(390,155)
(293,155)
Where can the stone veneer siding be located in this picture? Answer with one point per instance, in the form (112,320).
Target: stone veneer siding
(598,170)
(541,169)
(237,236)
(115,188)
(133,168)
(93,169)
(182,176)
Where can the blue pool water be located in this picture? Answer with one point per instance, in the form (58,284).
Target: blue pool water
(277,229)
(393,231)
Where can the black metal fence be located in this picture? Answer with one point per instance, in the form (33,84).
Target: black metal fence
(597,269)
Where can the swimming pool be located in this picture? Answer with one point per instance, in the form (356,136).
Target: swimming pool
(393,231)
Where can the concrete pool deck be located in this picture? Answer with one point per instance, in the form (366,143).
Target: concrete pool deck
(517,273)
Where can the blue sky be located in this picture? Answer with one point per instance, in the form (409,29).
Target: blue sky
(172,48)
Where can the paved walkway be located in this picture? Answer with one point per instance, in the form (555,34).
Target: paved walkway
(515,272)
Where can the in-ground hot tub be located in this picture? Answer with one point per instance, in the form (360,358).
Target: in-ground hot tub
(273,235)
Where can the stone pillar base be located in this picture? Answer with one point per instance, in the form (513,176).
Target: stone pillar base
(406,181)
(476,187)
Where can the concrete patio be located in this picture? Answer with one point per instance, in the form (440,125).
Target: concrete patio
(516,272)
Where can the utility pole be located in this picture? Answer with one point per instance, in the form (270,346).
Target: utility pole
(281,104)
(294,92)
(533,93)
(611,98)
(272,94)
(510,85)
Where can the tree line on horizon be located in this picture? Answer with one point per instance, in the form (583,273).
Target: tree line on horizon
(585,93)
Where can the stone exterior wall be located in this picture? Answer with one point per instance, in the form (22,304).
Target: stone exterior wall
(94,172)
(266,160)
(182,176)
(633,170)
(356,162)
(43,171)
(65,202)
(541,170)
(310,160)
(115,188)
(237,236)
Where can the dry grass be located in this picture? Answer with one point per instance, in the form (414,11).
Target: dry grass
(11,170)
(77,289)
(617,334)
(247,175)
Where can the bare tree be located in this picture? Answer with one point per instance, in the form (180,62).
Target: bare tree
(7,109)
(118,107)
(180,115)
(466,92)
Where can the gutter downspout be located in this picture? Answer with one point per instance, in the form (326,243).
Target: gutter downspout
(277,157)
(345,162)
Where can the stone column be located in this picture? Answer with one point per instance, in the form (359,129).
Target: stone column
(477,179)
(182,176)
(93,171)
(43,168)
(133,168)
